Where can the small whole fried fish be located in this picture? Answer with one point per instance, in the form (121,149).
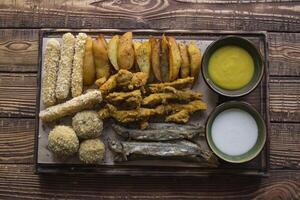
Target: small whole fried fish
(160,132)
(180,149)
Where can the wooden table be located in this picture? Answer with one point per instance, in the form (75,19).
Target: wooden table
(20,22)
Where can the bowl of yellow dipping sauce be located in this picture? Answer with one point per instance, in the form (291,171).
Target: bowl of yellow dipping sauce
(232,66)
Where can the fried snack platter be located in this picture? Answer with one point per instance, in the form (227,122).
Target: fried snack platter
(116,132)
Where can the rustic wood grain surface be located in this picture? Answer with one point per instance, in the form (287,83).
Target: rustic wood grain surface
(20,22)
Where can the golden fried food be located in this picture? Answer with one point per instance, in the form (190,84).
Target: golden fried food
(89,72)
(163,98)
(52,55)
(124,80)
(109,85)
(104,113)
(63,83)
(179,117)
(178,84)
(136,45)
(126,100)
(195,60)
(125,54)
(143,58)
(112,50)
(101,60)
(155,58)
(72,106)
(185,64)
(100,81)
(126,116)
(164,59)
(181,112)
(143,114)
(91,151)
(174,59)
(77,71)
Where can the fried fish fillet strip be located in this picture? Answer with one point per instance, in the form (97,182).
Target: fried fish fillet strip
(130,100)
(179,117)
(178,84)
(142,114)
(72,106)
(158,98)
(191,107)
(126,116)
(104,113)
(182,112)
(124,80)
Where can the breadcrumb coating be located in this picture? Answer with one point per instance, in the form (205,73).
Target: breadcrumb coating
(82,102)
(62,141)
(77,73)
(91,151)
(65,67)
(51,60)
(87,125)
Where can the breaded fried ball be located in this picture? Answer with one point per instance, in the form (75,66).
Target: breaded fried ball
(87,125)
(63,141)
(91,151)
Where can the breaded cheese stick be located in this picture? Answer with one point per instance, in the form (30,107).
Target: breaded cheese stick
(77,73)
(65,67)
(72,106)
(51,61)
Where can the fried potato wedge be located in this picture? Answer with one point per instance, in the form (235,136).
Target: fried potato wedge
(155,58)
(195,59)
(164,59)
(89,72)
(144,58)
(100,58)
(136,45)
(125,54)
(185,64)
(174,59)
(112,50)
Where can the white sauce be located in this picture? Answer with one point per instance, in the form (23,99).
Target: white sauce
(234,132)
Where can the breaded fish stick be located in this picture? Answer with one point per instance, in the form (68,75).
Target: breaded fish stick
(72,106)
(65,67)
(51,61)
(77,73)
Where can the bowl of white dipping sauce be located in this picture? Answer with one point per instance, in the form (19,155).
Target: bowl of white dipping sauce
(236,132)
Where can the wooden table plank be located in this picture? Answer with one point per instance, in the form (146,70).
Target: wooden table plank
(18,50)
(284,54)
(18,94)
(167,14)
(285,146)
(285,99)
(18,181)
(16,140)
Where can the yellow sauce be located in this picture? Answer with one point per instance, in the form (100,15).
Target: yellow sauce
(231,67)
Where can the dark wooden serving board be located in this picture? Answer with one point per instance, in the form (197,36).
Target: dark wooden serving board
(258,98)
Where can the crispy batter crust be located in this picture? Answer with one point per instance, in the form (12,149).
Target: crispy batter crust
(51,61)
(77,72)
(65,67)
(72,106)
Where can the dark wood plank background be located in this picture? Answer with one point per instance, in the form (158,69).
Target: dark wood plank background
(20,21)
